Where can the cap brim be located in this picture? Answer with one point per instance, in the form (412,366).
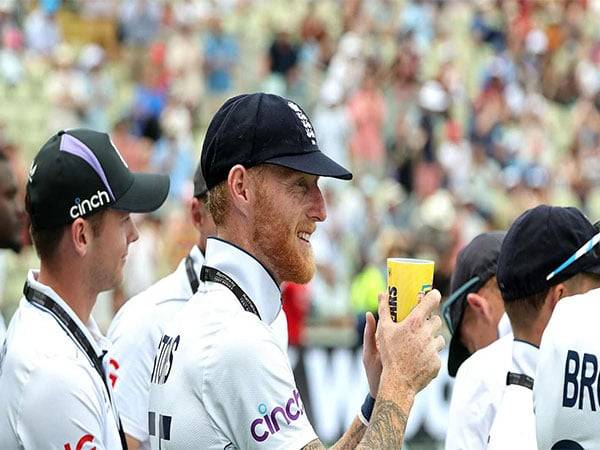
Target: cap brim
(146,194)
(314,163)
(457,354)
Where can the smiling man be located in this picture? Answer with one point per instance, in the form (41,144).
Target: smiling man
(55,392)
(221,378)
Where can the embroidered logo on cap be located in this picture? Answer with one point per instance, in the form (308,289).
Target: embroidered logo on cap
(310,132)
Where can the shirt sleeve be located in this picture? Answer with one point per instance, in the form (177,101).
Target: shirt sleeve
(470,413)
(250,392)
(62,409)
(130,361)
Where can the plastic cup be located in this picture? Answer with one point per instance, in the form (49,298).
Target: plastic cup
(406,279)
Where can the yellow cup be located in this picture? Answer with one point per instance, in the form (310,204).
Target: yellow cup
(406,279)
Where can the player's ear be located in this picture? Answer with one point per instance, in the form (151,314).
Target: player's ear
(196,213)
(479,304)
(238,183)
(80,234)
(556,293)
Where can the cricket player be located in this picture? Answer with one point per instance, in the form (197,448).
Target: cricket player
(222,379)
(533,280)
(54,390)
(475,316)
(138,327)
(566,391)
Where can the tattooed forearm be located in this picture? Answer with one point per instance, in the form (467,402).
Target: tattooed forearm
(352,437)
(314,445)
(386,429)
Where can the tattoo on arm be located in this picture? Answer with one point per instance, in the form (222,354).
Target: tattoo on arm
(386,428)
(355,434)
(385,432)
(352,437)
(314,445)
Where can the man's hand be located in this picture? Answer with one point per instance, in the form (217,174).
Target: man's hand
(371,359)
(409,349)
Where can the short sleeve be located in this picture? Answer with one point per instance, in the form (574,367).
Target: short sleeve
(62,408)
(250,392)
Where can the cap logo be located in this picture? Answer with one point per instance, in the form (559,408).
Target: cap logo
(310,132)
(75,147)
(82,207)
(32,171)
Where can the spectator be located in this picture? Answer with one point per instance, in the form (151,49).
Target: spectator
(139,22)
(367,111)
(67,91)
(99,87)
(42,34)
(221,56)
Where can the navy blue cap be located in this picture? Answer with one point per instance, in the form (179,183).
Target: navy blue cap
(199,182)
(538,242)
(252,129)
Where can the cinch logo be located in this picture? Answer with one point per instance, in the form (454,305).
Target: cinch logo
(269,423)
(82,207)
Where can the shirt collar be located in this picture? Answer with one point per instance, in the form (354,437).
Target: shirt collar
(197,258)
(524,358)
(91,331)
(504,327)
(250,275)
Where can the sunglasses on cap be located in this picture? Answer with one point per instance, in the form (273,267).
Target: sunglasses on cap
(585,248)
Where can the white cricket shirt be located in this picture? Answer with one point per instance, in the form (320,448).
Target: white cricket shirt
(222,379)
(51,395)
(566,391)
(135,333)
(514,425)
(478,389)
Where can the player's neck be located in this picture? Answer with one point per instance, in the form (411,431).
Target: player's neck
(70,288)
(532,335)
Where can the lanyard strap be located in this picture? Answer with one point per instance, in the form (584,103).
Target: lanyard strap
(191,274)
(211,274)
(61,316)
(519,379)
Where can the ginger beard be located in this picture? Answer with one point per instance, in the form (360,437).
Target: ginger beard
(276,237)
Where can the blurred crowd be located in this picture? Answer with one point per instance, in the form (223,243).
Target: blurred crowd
(455,116)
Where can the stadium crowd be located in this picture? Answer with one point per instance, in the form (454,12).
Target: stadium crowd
(455,116)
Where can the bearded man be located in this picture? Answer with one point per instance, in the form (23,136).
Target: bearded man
(221,378)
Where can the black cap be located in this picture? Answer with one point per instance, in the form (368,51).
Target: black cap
(79,172)
(475,265)
(538,242)
(259,128)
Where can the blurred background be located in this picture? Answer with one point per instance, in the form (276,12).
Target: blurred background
(454,115)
